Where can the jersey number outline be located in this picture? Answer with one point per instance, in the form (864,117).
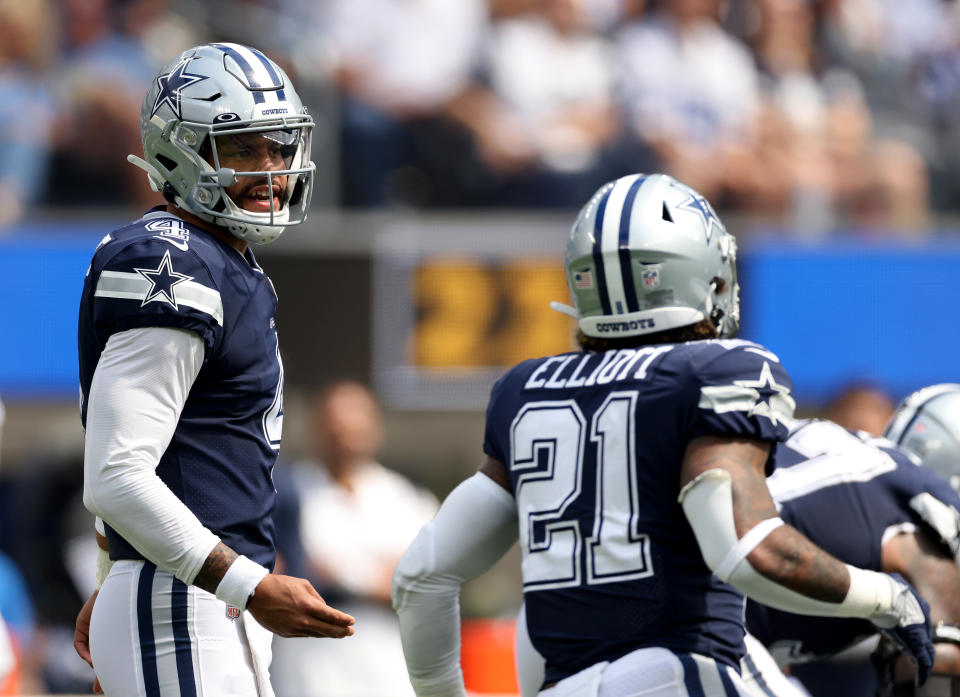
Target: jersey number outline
(273,416)
(548,440)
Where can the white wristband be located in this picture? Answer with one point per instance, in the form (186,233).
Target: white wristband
(872,595)
(241,579)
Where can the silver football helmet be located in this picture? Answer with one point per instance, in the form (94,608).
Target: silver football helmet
(926,425)
(218,91)
(646,254)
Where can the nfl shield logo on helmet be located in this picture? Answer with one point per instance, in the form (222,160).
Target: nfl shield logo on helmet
(651,277)
(233,613)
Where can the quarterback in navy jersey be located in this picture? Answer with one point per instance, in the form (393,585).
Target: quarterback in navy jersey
(182,391)
(880,507)
(633,474)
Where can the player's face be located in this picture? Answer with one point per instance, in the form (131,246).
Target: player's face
(257,152)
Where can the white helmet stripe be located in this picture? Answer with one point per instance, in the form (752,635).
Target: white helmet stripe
(623,251)
(260,80)
(610,242)
(598,263)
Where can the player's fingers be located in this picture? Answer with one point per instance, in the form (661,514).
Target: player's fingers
(315,629)
(331,631)
(97,689)
(81,643)
(325,613)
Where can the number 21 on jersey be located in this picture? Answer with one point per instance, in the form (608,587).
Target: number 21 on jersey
(550,449)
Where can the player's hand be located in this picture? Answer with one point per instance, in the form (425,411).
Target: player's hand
(908,626)
(291,607)
(81,635)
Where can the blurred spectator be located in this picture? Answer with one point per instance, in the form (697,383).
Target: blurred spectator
(817,161)
(396,65)
(43,504)
(26,105)
(357,518)
(19,649)
(861,407)
(543,118)
(105,65)
(691,93)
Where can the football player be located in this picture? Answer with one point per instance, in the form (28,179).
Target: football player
(182,389)
(633,472)
(864,501)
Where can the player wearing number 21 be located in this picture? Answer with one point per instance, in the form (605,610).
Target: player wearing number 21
(633,472)
(182,390)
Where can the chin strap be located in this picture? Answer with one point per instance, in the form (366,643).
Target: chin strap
(154,176)
(565,309)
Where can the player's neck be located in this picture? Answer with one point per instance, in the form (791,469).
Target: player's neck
(215,230)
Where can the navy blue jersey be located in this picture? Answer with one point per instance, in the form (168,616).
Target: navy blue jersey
(162,272)
(847,493)
(594,444)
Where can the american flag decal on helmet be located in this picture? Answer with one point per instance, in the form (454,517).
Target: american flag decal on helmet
(583,279)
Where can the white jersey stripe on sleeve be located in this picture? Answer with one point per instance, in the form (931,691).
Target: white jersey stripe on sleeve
(133,286)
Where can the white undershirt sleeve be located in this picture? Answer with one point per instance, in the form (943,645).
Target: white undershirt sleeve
(474,527)
(138,391)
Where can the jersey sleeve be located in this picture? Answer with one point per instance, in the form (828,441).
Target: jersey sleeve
(744,392)
(148,283)
(493,437)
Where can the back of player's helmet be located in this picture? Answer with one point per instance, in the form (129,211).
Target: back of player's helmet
(647,254)
(216,91)
(926,425)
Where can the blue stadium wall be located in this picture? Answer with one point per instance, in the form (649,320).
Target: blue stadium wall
(835,311)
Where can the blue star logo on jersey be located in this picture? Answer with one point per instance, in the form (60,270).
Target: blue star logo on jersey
(163,280)
(170,86)
(771,399)
(699,205)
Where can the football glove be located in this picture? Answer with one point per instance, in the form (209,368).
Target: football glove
(907,625)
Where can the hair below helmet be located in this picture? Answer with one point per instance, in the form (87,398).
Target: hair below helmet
(926,425)
(218,90)
(647,254)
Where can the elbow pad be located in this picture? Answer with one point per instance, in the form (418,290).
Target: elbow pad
(707,502)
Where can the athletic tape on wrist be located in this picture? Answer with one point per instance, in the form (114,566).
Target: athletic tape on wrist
(104,564)
(241,579)
(745,545)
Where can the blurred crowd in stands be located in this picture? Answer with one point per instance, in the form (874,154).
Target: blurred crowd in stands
(809,114)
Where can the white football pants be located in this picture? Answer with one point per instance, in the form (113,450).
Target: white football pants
(652,672)
(153,636)
(763,676)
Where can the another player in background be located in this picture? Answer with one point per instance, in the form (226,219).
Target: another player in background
(182,389)
(865,502)
(637,471)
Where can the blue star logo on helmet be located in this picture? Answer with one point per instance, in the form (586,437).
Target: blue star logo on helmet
(695,203)
(171,85)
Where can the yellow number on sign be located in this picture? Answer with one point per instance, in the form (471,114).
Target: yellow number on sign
(471,315)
